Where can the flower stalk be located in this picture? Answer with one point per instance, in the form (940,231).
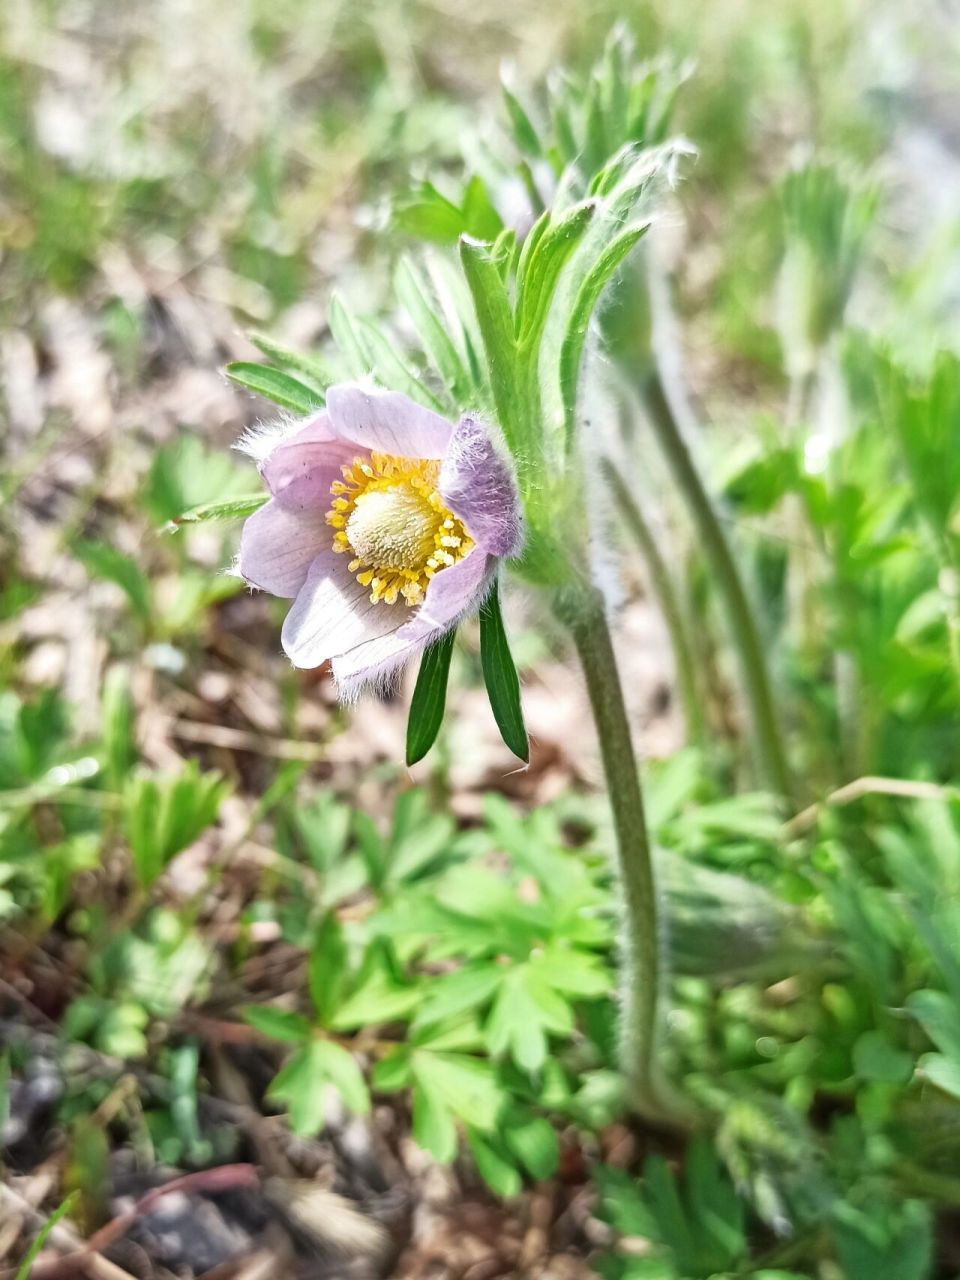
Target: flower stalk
(768,744)
(663,587)
(582,611)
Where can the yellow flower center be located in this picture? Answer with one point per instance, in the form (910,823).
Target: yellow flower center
(389,516)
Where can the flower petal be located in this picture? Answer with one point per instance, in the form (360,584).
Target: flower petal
(476,484)
(301,467)
(387,422)
(278,546)
(259,441)
(452,594)
(333,613)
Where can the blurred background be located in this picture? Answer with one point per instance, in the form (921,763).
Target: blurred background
(182,814)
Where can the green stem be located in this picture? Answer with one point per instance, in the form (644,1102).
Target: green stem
(768,746)
(582,610)
(663,589)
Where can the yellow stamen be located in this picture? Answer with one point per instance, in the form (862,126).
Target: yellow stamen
(389,516)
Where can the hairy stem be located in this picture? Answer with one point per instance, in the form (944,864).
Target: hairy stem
(583,612)
(768,745)
(670,607)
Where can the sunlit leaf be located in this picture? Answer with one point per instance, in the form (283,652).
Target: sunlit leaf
(429,698)
(277,386)
(500,676)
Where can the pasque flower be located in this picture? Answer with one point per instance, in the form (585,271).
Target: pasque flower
(384,525)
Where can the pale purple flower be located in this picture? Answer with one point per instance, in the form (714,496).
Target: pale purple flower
(384,526)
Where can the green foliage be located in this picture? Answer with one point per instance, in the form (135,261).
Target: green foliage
(883,1239)
(826,219)
(698,1227)
(26,1266)
(302,1081)
(466,969)
(229,509)
(428,215)
(110,565)
(500,676)
(277,386)
(163,815)
(429,698)
(188,475)
(925,415)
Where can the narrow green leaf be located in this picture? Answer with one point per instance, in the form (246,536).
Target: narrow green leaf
(413,294)
(455,993)
(495,318)
(104,561)
(428,215)
(588,295)
(596,141)
(300,1085)
(433,1126)
(348,339)
(340,1067)
(480,217)
(392,1072)
(229,509)
(275,385)
(118,719)
(459,315)
(278,1024)
(372,848)
(494,1165)
(312,367)
(500,676)
(536,289)
(534,195)
(26,1266)
(378,1001)
(393,371)
(504,254)
(429,698)
(567,145)
(524,132)
(531,242)
(326,969)
(533,1140)
(615,88)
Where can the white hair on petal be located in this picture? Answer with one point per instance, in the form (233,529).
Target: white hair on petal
(477,481)
(260,440)
(383,678)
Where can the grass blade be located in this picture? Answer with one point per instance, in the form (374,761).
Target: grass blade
(26,1266)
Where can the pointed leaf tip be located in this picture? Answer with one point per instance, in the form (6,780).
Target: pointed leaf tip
(500,676)
(275,385)
(429,698)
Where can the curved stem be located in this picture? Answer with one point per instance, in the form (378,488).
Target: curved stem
(583,613)
(768,746)
(666,595)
